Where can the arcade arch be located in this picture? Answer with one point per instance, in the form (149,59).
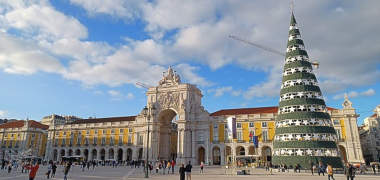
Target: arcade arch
(102,154)
(251,150)
(201,154)
(266,152)
(216,155)
(240,151)
(343,153)
(129,154)
(94,154)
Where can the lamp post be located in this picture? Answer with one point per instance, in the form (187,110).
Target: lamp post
(3,146)
(147,112)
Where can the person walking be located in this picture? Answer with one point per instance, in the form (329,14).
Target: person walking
(66,170)
(374,168)
(321,169)
(33,170)
(53,169)
(182,172)
(9,167)
(201,171)
(173,165)
(169,166)
(349,171)
(188,171)
(330,172)
(50,166)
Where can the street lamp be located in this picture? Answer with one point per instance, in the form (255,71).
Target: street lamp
(147,112)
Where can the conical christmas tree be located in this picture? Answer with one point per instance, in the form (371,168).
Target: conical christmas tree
(304,131)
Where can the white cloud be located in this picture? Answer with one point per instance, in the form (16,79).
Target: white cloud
(117,95)
(187,72)
(118,8)
(269,88)
(197,31)
(3,113)
(355,94)
(369,92)
(46,22)
(220,91)
(23,57)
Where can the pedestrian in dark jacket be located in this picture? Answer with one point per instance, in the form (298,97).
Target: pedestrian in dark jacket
(182,172)
(66,170)
(349,171)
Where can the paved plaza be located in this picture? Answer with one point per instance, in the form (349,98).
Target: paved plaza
(121,173)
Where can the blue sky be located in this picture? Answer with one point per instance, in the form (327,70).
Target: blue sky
(83,58)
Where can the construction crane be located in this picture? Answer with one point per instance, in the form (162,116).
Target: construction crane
(143,85)
(314,63)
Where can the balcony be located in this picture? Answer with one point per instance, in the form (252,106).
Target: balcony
(215,142)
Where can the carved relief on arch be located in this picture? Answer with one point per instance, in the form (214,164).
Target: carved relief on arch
(168,100)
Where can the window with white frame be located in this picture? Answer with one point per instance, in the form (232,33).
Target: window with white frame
(265,135)
(251,124)
(238,125)
(338,134)
(239,135)
(264,124)
(120,139)
(216,132)
(130,138)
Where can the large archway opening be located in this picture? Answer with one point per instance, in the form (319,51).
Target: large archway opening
(129,154)
(251,150)
(102,154)
(228,154)
(111,154)
(62,153)
(168,135)
(201,155)
(240,151)
(77,152)
(266,152)
(85,152)
(94,154)
(343,153)
(120,154)
(216,155)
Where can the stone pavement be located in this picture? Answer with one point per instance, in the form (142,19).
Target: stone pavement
(211,173)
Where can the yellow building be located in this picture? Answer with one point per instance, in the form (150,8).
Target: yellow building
(23,138)
(260,122)
(95,139)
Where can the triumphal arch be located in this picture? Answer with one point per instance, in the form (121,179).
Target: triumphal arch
(173,116)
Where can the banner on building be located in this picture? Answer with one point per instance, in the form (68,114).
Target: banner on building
(231,123)
(255,140)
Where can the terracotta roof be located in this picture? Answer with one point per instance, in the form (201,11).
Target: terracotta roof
(13,124)
(259,110)
(101,120)
(374,115)
(36,124)
(21,123)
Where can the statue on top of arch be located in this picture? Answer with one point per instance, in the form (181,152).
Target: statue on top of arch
(170,77)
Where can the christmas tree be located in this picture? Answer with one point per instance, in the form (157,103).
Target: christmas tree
(304,131)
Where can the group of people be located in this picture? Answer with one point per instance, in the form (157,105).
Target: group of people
(169,165)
